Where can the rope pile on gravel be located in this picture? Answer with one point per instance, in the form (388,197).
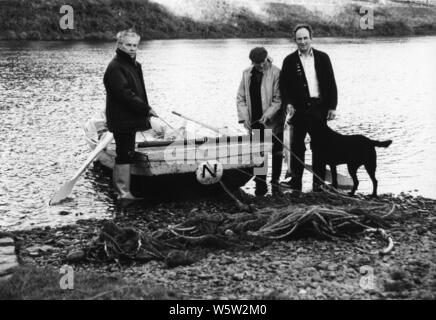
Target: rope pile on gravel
(176,243)
(283,223)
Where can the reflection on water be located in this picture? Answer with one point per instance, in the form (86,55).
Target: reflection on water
(48,89)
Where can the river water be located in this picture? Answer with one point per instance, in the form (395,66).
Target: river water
(387,90)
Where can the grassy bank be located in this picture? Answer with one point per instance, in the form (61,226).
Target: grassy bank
(101,19)
(32,283)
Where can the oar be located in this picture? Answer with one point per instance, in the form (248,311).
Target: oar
(66,189)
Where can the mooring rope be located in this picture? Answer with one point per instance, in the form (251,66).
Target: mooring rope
(324,186)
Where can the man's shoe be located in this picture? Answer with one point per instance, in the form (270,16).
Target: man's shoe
(260,192)
(261,187)
(317,188)
(275,188)
(293,184)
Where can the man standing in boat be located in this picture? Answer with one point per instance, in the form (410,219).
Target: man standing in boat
(259,108)
(308,90)
(127,108)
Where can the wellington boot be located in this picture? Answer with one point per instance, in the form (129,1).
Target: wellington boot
(121,181)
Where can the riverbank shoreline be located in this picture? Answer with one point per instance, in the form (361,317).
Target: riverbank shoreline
(110,37)
(283,36)
(303,268)
(102,19)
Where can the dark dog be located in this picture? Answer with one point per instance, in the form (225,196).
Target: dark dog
(353,150)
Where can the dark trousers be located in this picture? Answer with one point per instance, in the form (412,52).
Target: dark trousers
(309,119)
(277,152)
(277,144)
(125,147)
(277,156)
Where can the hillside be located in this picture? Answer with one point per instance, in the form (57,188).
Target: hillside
(165,19)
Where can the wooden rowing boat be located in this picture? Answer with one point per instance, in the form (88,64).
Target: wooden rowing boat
(173,166)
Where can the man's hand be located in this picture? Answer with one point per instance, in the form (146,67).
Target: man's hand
(264,119)
(266,116)
(153,113)
(331,115)
(290,110)
(246,124)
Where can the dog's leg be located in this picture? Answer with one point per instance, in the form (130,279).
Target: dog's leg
(352,170)
(334,176)
(370,168)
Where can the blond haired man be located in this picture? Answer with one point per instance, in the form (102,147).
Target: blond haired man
(127,107)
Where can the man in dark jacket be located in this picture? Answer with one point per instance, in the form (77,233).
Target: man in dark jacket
(127,108)
(308,90)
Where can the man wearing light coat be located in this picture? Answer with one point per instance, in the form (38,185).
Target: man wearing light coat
(259,107)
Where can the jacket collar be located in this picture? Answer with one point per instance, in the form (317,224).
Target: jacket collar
(313,51)
(125,57)
(300,54)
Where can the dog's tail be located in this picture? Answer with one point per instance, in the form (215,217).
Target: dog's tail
(381,144)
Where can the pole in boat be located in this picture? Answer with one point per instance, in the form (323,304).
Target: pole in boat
(196,121)
(66,189)
(344,181)
(172,128)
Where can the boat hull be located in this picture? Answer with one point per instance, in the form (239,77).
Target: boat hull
(172,167)
(183,185)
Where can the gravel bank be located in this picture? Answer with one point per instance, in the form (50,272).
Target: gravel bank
(304,268)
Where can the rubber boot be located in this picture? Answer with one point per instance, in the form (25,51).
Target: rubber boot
(121,181)
(277,162)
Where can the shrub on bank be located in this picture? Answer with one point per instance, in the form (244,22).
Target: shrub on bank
(34,35)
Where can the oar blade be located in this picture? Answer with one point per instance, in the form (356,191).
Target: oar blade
(63,192)
(67,188)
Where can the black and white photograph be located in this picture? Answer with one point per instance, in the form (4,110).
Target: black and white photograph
(218,154)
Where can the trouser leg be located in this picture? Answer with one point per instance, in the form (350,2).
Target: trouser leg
(260,179)
(125,147)
(318,164)
(277,157)
(298,149)
(319,170)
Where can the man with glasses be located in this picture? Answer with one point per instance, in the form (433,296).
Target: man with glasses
(259,108)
